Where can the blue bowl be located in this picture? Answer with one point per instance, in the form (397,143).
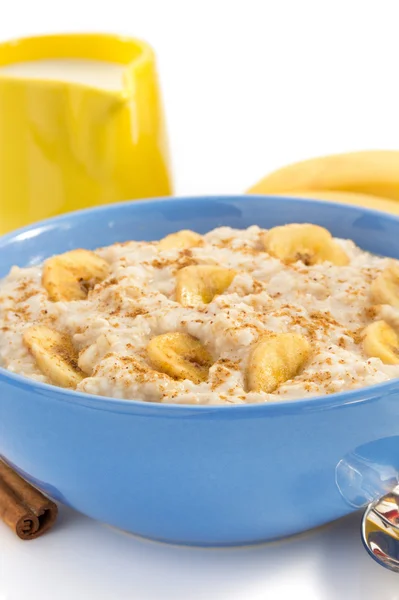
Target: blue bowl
(201,475)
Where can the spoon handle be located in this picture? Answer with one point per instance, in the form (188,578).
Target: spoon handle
(380,530)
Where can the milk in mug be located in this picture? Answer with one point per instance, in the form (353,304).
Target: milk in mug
(96,73)
(81,125)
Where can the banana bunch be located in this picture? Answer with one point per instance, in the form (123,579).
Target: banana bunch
(369,178)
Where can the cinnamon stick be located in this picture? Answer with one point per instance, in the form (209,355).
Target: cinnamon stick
(27,511)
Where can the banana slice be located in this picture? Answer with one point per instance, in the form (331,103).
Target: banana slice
(275,359)
(69,276)
(181,239)
(54,354)
(381,341)
(200,284)
(180,355)
(385,288)
(302,241)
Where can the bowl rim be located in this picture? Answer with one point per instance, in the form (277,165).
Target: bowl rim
(313,403)
(361,395)
(45,224)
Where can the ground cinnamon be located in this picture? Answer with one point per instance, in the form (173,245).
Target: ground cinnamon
(22,507)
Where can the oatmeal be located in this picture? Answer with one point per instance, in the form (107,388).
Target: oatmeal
(230,317)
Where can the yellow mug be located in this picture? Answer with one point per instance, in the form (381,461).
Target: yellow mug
(66,145)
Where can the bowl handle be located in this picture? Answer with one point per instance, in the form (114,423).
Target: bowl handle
(380,530)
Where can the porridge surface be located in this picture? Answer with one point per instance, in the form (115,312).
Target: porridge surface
(110,329)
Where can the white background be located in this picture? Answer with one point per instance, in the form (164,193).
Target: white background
(248,85)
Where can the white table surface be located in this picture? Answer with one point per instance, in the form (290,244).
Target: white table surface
(83,560)
(248,86)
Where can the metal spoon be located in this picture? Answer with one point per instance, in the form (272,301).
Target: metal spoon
(380,530)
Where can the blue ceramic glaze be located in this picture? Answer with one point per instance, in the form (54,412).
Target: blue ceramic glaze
(197,474)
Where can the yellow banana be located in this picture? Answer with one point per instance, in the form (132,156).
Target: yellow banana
(374,172)
(390,206)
